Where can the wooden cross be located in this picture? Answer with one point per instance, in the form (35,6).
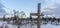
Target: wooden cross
(38,14)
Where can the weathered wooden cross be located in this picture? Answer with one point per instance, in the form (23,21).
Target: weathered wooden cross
(38,14)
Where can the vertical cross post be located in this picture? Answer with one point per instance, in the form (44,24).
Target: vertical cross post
(38,18)
(38,14)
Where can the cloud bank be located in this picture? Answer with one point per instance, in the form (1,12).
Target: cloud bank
(52,7)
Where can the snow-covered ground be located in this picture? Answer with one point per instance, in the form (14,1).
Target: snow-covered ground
(29,25)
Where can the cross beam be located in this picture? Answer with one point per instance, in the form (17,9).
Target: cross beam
(36,14)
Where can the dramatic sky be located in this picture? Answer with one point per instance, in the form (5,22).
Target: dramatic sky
(48,7)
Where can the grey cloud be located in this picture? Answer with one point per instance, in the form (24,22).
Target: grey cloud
(55,11)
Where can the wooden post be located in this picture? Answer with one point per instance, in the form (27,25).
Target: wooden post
(38,18)
(38,14)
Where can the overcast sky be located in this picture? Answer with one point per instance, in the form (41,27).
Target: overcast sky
(48,7)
